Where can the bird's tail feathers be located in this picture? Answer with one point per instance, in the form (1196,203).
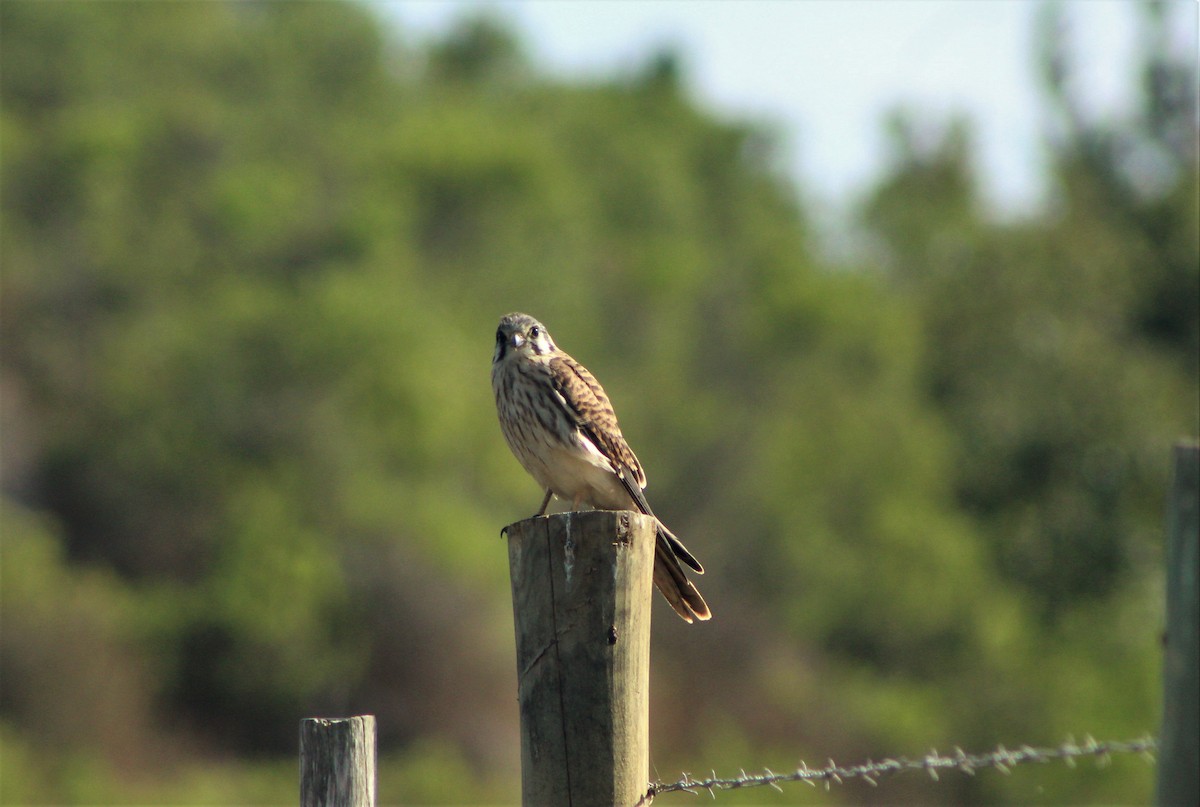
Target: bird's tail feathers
(639,498)
(671,581)
(678,549)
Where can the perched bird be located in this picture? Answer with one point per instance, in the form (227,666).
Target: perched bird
(562,428)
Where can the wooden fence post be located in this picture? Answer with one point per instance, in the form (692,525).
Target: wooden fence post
(337,761)
(1179,744)
(581,586)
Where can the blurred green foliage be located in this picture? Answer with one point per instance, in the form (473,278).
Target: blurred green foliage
(253,255)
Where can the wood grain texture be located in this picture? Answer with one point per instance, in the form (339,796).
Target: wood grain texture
(1179,741)
(337,761)
(581,586)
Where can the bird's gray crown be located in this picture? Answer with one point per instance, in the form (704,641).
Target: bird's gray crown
(518,322)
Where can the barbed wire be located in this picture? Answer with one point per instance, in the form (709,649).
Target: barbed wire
(932,763)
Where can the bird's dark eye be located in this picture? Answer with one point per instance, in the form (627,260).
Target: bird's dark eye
(535,332)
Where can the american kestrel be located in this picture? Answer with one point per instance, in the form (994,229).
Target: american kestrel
(562,428)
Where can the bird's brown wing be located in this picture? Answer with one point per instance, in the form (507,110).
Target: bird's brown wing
(595,418)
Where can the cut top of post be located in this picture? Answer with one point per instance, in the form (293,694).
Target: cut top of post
(337,761)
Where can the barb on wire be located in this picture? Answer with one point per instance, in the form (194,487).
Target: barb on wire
(871,772)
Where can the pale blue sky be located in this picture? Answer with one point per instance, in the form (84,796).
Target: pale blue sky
(826,71)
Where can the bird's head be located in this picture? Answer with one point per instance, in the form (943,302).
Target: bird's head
(521,335)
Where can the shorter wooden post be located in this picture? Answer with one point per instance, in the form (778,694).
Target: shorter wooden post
(581,586)
(1179,743)
(337,761)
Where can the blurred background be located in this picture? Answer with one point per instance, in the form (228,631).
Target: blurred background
(903,380)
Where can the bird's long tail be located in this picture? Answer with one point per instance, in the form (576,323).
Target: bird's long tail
(669,576)
(670,579)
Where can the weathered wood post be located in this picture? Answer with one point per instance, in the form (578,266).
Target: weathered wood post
(581,586)
(337,761)
(1179,741)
